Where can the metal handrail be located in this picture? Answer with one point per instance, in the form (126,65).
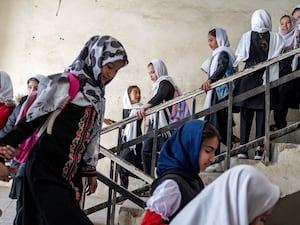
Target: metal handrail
(196,92)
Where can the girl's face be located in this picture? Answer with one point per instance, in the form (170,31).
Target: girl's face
(32,86)
(285,25)
(135,95)
(110,70)
(261,219)
(296,15)
(207,152)
(212,42)
(152,74)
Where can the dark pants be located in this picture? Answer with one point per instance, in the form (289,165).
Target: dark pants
(134,157)
(147,151)
(280,118)
(247,116)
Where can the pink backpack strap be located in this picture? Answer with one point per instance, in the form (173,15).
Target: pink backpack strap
(74,86)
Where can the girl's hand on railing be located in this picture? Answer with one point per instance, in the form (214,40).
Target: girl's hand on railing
(206,85)
(141,113)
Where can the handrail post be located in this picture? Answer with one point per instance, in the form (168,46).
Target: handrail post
(267,118)
(154,146)
(193,107)
(229,123)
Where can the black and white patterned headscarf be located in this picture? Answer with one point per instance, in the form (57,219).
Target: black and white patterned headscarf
(96,53)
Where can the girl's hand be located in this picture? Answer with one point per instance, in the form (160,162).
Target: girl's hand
(6,172)
(142,112)
(92,185)
(8,152)
(206,85)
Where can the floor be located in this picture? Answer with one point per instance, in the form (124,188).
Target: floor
(7,206)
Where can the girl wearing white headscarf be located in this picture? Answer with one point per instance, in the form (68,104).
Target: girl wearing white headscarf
(68,147)
(247,198)
(132,154)
(256,46)
(163,88)
(283,97)
(220,66)
(6,97)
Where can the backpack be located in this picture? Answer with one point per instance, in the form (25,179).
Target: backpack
(179,110)
(223,90)
(26,146)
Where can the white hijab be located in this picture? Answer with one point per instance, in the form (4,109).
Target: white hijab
(289,38)
(223,45)
(6,87)
(261,22)
(239,195)
(131,128)
(162,74)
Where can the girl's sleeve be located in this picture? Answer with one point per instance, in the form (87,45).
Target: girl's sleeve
(163,92)
(22,131)
(152,218)
(90,157)
(223,62)
(163,203)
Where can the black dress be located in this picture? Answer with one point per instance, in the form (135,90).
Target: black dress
(219,118)
(53,172)
(134,157)
(165,92)
(259,48)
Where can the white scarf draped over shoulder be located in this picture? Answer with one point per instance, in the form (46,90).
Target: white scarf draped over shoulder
(240,194)
(261,23)
(130,131)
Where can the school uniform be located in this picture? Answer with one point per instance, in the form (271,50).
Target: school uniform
(132,130)
(163,90)
(256,46)
(284,96)
(220,66)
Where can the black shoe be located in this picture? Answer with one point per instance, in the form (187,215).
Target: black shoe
(258,154)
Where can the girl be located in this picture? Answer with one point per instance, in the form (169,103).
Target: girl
(187,152)
(163,90)
(284,95)
(67,148)
(247,198)
(220,66)
(132,154)
(256,46)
